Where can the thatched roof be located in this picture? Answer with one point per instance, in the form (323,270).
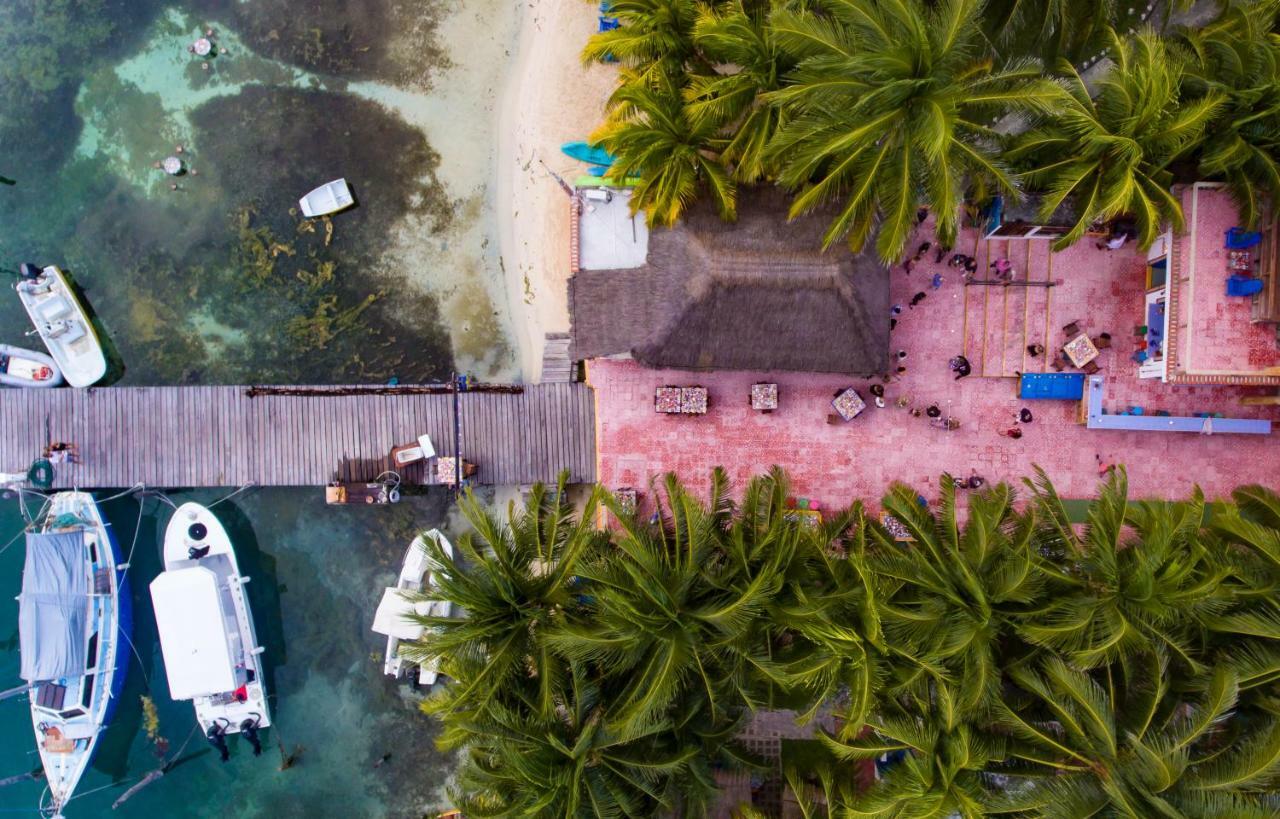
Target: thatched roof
(757,294)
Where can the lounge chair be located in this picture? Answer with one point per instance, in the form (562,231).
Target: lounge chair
(1243,286)
(1240,239)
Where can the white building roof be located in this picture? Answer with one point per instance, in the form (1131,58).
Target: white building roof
(193,633)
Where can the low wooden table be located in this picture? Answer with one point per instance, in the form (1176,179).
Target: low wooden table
(666,400)
(849,404)
(764,397)
(1080,350)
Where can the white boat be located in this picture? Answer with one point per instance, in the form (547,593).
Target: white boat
(62,324)
(404,600)
(211,652)
(27,368)
(74,614)
(330,197)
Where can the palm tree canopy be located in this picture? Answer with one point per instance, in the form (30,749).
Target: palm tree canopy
(652,136)
(891,106)
(1110,152)
(1237,57)
(749,62)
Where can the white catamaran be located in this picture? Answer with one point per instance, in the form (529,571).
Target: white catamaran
(74,614)
(401,602)
(211,653)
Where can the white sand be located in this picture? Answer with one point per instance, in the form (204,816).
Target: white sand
(550,98)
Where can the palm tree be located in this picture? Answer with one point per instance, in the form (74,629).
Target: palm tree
(955,597)
(1141,575)
(1109,153)
(1129,745)
(652,136)
(655,38)
(1237,58)
(572,764)
(738,39)
(1050,29)
(676,607)
(891,106)
(515,581)
(945,767)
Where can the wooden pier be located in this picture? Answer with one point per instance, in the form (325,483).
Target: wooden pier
(171,437)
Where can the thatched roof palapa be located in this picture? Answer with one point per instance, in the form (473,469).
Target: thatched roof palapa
(756,294)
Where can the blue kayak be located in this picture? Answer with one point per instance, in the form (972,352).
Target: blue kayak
(583,152)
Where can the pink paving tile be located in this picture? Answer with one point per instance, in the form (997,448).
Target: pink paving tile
(1225,340)
(835,464)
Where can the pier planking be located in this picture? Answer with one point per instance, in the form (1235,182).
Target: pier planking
(219,436)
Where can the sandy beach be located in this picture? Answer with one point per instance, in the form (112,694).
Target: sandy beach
(550,98)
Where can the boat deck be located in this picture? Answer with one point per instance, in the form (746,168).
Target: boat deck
(296,436)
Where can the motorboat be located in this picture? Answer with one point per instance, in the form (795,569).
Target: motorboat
(75,613)
(400,604)
(27,368)
(62,324)
(330,197)
(210,649)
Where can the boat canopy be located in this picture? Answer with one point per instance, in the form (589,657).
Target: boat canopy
(53,606)
(193,633)
(393,612)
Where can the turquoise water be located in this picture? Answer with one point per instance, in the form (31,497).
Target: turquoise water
(220,281)
(317,573)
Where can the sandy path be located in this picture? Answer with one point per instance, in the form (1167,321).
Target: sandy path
(549,98)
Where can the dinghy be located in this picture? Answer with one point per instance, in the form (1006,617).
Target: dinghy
(62,324)
(402,601)
(75,614)
(27,368)
(330,197)
(211,652)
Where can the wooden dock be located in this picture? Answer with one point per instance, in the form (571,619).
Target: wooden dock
(169,437)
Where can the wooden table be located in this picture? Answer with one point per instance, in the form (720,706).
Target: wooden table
(1080,350)
(764,397)
(693,400)
(666,400)
(849,404)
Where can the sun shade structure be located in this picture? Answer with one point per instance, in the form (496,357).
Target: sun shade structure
(193,633)
(756,294)
(53,606)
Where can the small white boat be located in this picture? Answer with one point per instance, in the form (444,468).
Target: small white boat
(74,613)
(211,652)
(27,368)
(330,197)
(62,324)
(401,602)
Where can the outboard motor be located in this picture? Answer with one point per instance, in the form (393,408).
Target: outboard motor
(217,736)
(249,728)
(28,271)
(197,532)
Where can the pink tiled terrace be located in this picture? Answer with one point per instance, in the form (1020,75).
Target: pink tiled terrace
(836,463)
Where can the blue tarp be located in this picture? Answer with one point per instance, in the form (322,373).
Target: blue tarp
(1047,386)
(53,606)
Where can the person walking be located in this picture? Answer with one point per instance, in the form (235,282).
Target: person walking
(1013,432)
(917,298)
